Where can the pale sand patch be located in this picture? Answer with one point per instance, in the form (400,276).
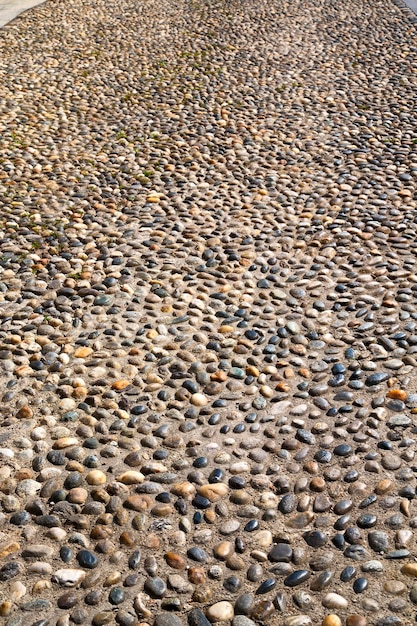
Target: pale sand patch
(9,9)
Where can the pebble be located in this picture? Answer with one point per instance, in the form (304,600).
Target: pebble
(220,612)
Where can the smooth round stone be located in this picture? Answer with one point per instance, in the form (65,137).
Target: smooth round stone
(378,541)
(102,618)
(332,620)
(356,620)
(220,612)
(334,601)
(197,554)
(116,596)
(67,600)
(321,581)
(315,539)
(197,618)
(366,520)
(297,578)
(244,604)
(302,599)
(255,572)
(155,587)
(372,566)
(266,586)
(242,620)
(87,559)
(360,585)
(262,610)
(281,552)
(347,573)
(395,587)
(167,619)
(232,584)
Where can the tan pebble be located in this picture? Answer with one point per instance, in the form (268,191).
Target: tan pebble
(162,510)
(8,548)
(112,579)
(263,538)
(241,496)
(220,612)
(153,198)
(266,391)
(139,502)
(334,600)
(17,591)
(410,569)
(77,495)
(223,549)
(96,477)
(226,328)
(394,587)
(152,541)
(25,412)
(384,486)
(131,477)
(80,392)
(184,489)
(118,385)
(83,352)
(41,585)
(213,492)
(198,399)
(210,516)
(65,442)
(140,607)
(196,575)
(405,507)
(332,620)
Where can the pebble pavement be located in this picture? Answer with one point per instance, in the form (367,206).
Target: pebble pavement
(208,339)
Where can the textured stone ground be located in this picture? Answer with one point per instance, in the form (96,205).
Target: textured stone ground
(208,314)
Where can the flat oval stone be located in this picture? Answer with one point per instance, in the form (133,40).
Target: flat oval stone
(87,559)
(334,601)
(297,578)
(321,581)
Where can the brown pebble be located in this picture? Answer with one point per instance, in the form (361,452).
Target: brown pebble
(126,538)
(262,610)
(139,502)
(67,600)
(176,561)
(203,594)
(197,575)
(5,608)
(25,412)
(317,484)
(356,620)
